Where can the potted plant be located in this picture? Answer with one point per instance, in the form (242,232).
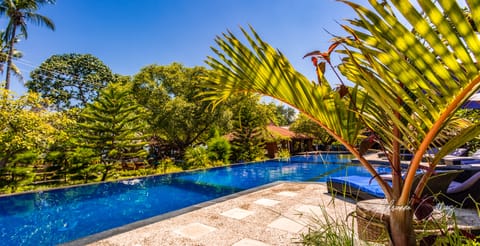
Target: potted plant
(405,87)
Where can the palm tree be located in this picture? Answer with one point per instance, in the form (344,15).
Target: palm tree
(406,88)
(19,12)
(4,55)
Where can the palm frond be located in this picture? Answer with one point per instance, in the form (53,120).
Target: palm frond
(417,79)
(410,76)
(262,69)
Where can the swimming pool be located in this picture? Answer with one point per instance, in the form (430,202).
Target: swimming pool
(62,215)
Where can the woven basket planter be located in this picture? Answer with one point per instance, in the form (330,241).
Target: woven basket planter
(372,217)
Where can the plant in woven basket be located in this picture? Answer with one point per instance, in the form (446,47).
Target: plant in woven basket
(407,87)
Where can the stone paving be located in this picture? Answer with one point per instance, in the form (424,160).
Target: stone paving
(276,215)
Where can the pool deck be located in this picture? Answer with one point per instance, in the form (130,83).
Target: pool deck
(276,214)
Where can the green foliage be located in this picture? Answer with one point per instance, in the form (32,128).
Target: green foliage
(19,171)
(113,127)
(31,136)
(179,118)
(70,80)
(165,164)
(474,116)
(283,154)
(219,149)
(406,95)
(283,115)
(26,126)
(83,164)
(328,229)
(306,126)
(196,157)
(249,126)
(215,153)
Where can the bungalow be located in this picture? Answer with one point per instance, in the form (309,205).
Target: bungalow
(281,138)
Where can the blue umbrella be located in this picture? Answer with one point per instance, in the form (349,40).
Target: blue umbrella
(473,102)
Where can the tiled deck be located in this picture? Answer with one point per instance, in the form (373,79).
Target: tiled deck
(275,215)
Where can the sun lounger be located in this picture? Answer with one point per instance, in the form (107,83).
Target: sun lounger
(470,162)
(459,160)
(356,187)
(362,188)
(464,193)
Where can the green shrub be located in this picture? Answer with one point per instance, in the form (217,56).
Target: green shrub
(219,149)
(196,157)
(283,154)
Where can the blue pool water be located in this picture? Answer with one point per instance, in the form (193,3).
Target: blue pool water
(62,215)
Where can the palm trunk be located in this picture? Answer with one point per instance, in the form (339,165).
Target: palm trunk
(9,61)
(400,227)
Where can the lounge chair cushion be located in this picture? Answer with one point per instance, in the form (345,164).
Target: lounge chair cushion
(361,187)
(470,161)
(362,183)
(456,187)
(459,152)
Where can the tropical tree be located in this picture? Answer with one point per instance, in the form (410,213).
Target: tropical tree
(179,117)
(25,125)
(4,50)
(305,125)
(70,80)
(284,115)
(28,130)
(113,127)
(249,127)
(19,13)
(407,86)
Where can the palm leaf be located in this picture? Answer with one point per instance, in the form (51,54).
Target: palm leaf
(417,79)
(408,84)
(262,69)
(265,70)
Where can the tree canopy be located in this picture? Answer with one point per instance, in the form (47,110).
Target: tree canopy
(25,125)
(179,118)
(70,80)
(307,126)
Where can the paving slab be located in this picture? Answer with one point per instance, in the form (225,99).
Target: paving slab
(237,213)
(266,202)
(286,224)
(287,193)
(310,210)
(249,242)
(195,230)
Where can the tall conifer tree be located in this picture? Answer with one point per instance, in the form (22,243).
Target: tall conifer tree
(113,127)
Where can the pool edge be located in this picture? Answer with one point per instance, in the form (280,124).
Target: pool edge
(132,226)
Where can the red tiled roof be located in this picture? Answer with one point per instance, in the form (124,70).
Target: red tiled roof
(284,132)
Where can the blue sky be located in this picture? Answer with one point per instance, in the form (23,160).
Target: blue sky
(130,34)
